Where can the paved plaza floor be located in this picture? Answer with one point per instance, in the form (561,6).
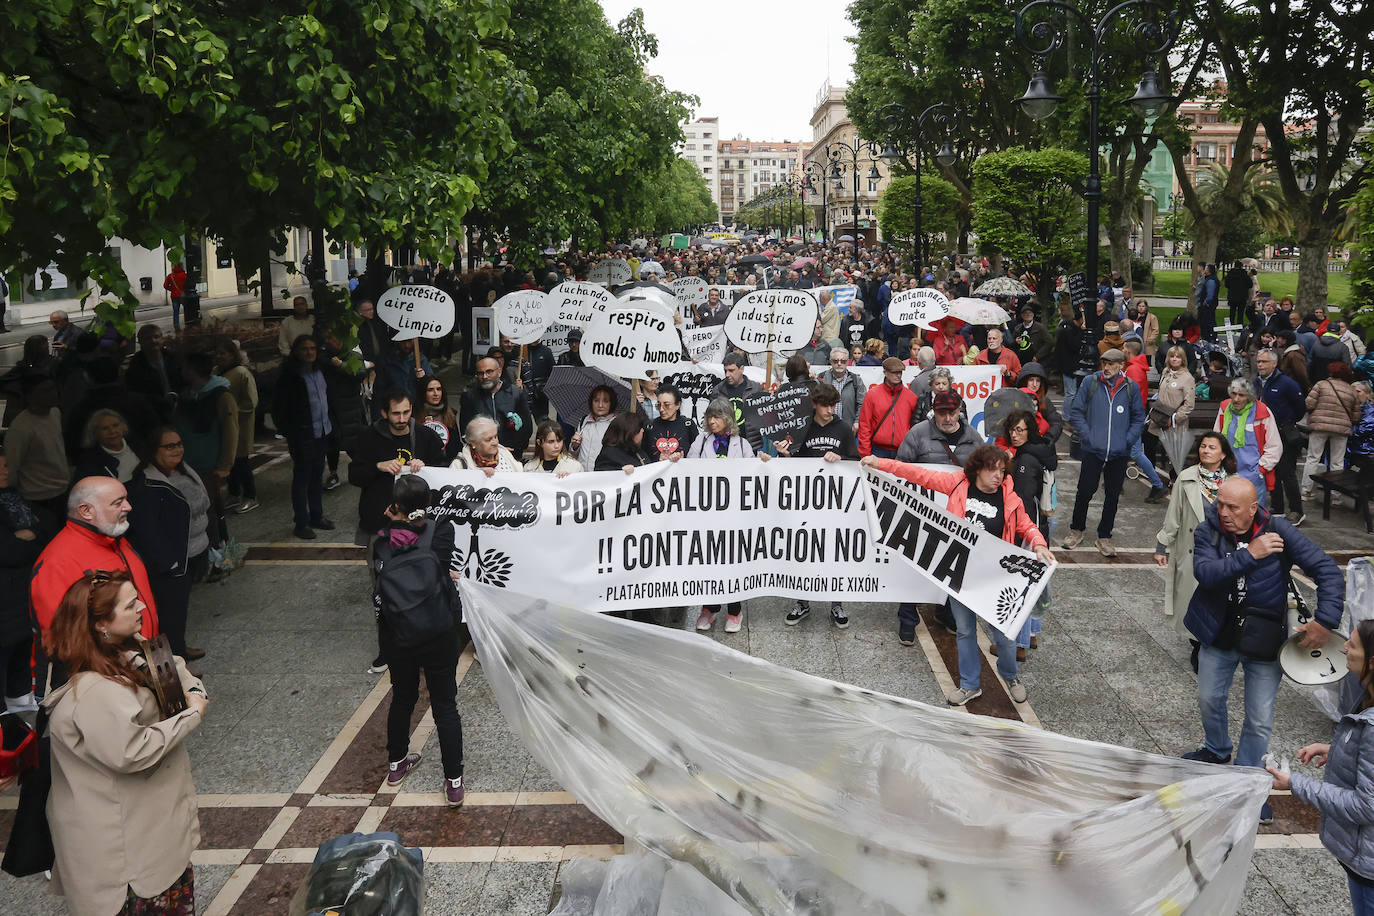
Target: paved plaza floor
(292,753)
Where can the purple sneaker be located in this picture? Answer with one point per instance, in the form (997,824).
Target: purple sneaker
(453,791)
(400,769)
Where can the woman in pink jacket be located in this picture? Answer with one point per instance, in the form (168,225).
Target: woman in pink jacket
(981,494)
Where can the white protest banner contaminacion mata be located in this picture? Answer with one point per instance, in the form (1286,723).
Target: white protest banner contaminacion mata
(917,306)
(673,533)
(998,581)
(523,315)
(632,338)
(773,319)
(417,311)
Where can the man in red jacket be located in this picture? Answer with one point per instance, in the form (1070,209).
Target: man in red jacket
(886,414)
(93,538)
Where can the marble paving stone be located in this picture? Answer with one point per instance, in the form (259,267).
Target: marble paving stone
(31,896)
(479,825)
(454,887)
(516,889)
(233,828)
(538,779)
(558,825)
(1307,882)
(263,758)
(314,826)
(271,890)
(298,701)
(209,880)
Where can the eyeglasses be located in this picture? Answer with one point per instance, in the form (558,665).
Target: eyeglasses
(172,445)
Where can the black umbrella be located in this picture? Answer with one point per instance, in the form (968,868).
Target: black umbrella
(568,387)
(751,259)
(795,247)
(700,240)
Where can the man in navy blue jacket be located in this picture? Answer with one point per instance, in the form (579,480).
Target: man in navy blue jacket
(1107,414)
(1241,558)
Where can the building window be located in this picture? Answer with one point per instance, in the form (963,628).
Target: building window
(872,186)
(1205,152)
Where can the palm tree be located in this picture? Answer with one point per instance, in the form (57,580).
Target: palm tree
(1259,194)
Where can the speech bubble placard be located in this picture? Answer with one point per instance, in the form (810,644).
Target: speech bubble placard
(917,306)
(773,319)
(523,315)
(417,311)
(630,339)
(610,272)
(690,290)
(576,303)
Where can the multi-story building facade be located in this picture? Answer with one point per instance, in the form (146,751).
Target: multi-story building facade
(750,167)
(699,140)
(830,124)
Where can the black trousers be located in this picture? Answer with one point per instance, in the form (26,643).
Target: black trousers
(16,662)
(439,661)
(1093,470)
(1286,491)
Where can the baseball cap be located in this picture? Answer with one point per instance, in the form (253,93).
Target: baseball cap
(946,400)
(892,364)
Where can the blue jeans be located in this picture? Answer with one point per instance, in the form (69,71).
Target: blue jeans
(1215,670)
(1361,898)
(1146,468)
(1032,627)
(1071,383)
(970,658)
(307,480)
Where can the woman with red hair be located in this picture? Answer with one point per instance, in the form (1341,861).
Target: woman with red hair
(122,806)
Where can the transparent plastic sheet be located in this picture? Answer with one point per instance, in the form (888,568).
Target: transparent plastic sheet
(363,874)
(795,794)
(1359,607)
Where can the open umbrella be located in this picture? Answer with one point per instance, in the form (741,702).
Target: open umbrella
(568,387)
(846,238)
(659,296)
(795,247)
(799,263)
(977,311)
(700,240)
(622,247)
(1003,286)
(550,251)
(751,259)
(651,267)
(770,253)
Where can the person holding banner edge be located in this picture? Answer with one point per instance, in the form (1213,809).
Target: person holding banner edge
(982,494)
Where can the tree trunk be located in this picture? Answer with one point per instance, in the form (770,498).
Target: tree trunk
(1119,223)
(375,277)
(265,286)
(1314,243)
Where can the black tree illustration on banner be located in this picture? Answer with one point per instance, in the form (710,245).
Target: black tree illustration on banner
(1008,601)
(475,507)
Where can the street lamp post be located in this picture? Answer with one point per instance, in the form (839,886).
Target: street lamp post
(893,116)
(844,155)
(815,175)
(794,184)
(1047,34)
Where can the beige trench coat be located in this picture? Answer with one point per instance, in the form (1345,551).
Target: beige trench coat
(122,807)
(244,387)
(1186,508)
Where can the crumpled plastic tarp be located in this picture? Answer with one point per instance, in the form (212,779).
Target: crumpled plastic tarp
(1359,607)
(795,794)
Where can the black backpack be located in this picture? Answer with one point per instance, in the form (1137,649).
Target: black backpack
(418,602)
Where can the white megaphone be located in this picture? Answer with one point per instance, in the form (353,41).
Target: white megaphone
(1314,667)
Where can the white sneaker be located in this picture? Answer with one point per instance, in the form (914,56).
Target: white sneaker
(705,620)
(732,622)
(962,695)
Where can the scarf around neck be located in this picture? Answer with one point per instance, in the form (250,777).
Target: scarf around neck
(1242,420)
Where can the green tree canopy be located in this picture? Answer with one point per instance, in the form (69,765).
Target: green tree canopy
(1026,206)
(939,208)
(146,121)
(679,199)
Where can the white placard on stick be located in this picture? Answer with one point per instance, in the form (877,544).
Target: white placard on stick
(632,338)
(917,306)
(706,344)
(773,319)
(417,311)
(523,315)
(690,291)
(610,272)
(576,303)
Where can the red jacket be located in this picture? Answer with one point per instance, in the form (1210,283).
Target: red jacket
(948,352)
(76,550)
(880,427)
(1138,370)
(176,282)
(1016,525)
(1011,365)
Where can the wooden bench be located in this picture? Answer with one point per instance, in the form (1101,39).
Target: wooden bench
(1358,484)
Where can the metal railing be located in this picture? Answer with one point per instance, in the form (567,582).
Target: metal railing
(1266,265)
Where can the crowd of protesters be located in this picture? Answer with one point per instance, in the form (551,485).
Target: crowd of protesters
(129,459)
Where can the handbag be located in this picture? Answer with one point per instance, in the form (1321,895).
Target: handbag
(1262,632)
(29,849)
(1160,417)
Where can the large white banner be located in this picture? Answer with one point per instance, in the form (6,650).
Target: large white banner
(675,533)
(999,581)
